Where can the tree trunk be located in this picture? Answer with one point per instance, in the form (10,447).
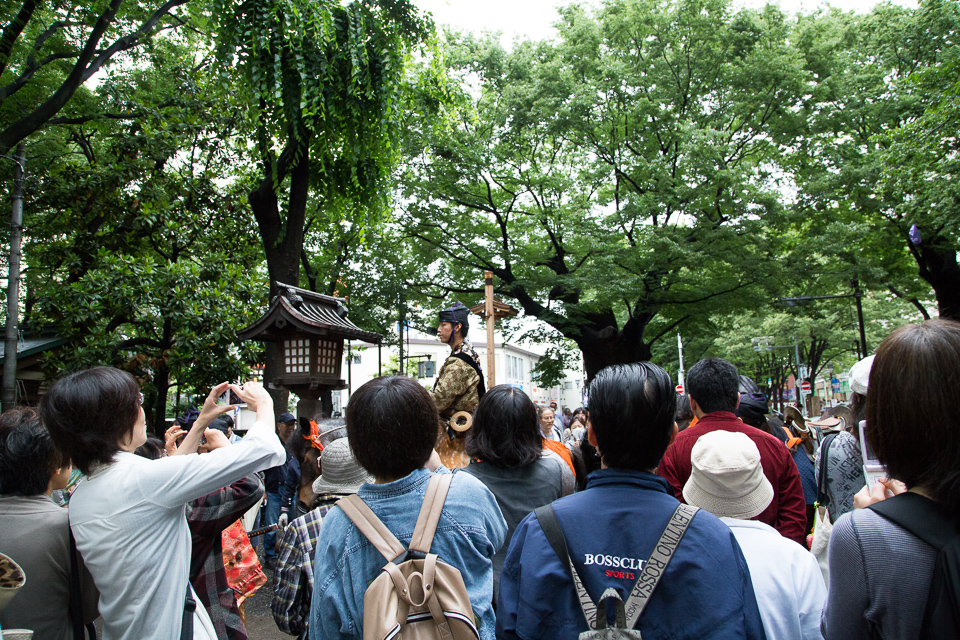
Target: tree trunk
(282,245)
(161,380)
(938,266)
(609,347)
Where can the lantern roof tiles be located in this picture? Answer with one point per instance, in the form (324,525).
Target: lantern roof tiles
(310,312)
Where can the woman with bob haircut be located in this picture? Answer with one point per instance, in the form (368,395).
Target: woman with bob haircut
(35,533)
(128,516)
(914,428)
(392,429)
(506,450)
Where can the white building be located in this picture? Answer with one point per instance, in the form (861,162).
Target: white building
(364,361)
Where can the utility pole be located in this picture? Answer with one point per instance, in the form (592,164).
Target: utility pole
(680,348)
(863,334)
(8,395)
(800,376)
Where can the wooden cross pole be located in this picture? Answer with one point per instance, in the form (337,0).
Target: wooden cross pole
(490,311)
(491,322)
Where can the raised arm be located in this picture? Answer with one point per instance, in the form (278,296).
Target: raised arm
(173,481)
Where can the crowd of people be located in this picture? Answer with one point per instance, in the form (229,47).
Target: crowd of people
(607,521)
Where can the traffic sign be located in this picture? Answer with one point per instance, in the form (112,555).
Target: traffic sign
(805,386)
(680,389)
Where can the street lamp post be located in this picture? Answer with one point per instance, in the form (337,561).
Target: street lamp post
(793,301)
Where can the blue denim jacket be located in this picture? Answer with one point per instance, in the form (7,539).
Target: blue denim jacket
(470,532)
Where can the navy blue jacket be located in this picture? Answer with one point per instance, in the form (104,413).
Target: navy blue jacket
(611,528)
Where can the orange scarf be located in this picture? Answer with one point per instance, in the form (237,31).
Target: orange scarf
(560,449)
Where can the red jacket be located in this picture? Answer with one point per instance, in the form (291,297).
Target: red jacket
(787,512)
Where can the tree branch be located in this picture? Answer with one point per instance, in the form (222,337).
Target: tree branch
(12,32)
(83,69)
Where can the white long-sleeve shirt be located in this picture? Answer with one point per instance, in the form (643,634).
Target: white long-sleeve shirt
(129,521)
(786,580)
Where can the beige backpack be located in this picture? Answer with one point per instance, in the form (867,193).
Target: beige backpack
(416,596)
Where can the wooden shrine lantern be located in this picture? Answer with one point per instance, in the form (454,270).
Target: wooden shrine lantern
(309,330)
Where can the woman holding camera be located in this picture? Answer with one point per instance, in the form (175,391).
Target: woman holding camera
(880,570)
(128,517)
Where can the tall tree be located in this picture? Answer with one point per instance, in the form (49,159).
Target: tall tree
(619,182)
(138,247)
(324,84)
(863,69)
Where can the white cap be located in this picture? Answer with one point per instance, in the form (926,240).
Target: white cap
(726,477)
(860,375)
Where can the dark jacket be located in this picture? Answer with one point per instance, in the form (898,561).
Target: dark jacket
(208,517)
(610,528)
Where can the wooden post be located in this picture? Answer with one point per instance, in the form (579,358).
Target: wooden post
(491,320)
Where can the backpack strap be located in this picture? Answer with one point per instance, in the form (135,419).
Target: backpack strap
(656,564)
(923,518)
(189,606)
(481,387)
(822,498)
(920,516)
(653,568)
(551,529)
(75,608)
(430,511)
(371,527)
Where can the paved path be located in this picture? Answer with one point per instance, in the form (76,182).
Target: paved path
(260,624)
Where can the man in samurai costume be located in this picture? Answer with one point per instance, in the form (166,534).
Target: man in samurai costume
(459,386)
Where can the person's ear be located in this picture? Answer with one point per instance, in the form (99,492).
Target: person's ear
(591,435)
(738,403)
(697,411)
(674,432)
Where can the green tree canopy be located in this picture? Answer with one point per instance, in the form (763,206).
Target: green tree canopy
(618,182)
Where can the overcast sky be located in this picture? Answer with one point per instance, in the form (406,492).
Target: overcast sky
(533,18)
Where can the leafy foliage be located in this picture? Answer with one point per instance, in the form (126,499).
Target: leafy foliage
(139,251)
(617,183)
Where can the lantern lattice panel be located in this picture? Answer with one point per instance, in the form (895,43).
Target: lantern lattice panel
(296,356)
(328,356)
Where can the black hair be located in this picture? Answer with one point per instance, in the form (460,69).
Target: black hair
(505,432)
(90,412)
(28,456)
(714,384)
(632,408)
(912,399)
(392,425)
(579,468)
(152,449)
(684,415)
(753,409)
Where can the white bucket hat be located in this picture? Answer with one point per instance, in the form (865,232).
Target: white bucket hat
(340,471)
(726,478)
(860,375)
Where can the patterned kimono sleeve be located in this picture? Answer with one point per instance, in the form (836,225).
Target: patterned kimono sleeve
(455,379)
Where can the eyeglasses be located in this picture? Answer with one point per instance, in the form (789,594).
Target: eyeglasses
(141,399)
